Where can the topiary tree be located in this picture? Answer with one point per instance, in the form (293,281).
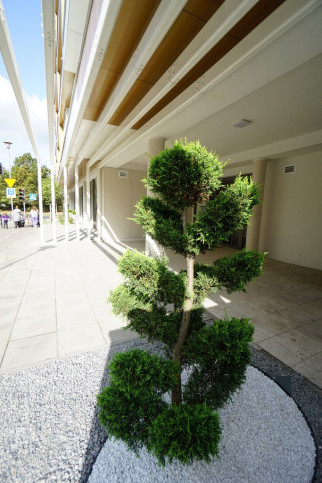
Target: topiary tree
(167,307)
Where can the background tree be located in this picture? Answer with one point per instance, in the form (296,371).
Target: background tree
(24,170)
(46,193)
(167,307)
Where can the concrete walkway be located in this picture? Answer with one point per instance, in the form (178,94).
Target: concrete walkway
(53,302)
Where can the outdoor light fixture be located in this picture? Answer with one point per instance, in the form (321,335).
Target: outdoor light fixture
(242,123)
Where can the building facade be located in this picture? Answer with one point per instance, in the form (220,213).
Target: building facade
(126,78)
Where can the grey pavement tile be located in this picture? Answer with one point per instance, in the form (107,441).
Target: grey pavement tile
(39,284)
(8,314)
(119,335)
(262,333)
(75,318)
(298,341)
(287,354)
(68,301)
(5,332)
(306,295)
(112,322)
(277,323)
(29,327)
(42,292)
(25,352)
(79,339)
(13,285)
(272,304)
(36,308)
(305,312)
(311,369)
(313,331)
(291,285)
(69,289)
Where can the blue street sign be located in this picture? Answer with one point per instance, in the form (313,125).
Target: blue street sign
(33,197)
(11,192)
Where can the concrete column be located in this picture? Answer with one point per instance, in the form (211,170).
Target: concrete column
(77,202)
(152,248)
(88,204)
(65,203)
(53,201)
(40,204)
(99,205)
(253,230)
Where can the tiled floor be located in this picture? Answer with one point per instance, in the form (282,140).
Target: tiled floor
(285,305)
(53,302)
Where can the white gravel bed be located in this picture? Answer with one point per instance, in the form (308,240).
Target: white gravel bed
(265,438)
(49,431)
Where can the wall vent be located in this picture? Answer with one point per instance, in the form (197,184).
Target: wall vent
(122,174)
(289,169)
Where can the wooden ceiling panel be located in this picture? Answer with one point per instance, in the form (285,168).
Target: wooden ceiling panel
(215,54)
(211,58)
(250,21)
(184,29)
(104,84)
(91,113)
(254,17)
(138,91)
(203,9)
(133,19)
(130,26)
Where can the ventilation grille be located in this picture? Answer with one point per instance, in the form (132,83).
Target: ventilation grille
(122,174)
(289,169)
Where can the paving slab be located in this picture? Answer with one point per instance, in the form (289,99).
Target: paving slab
(54,301)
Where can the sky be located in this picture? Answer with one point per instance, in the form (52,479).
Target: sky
(24,23)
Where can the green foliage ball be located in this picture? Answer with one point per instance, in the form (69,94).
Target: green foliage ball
(185,433)
(185,174)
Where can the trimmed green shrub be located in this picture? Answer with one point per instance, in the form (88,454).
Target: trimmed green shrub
(185,433)
(167,307)
(219,355)
(133,400)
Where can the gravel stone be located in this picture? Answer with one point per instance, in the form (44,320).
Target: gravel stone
(49,429)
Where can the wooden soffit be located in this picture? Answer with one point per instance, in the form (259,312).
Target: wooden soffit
(187,25)
(249,22)
(133,20)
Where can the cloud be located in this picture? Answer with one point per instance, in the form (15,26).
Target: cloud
(12,127)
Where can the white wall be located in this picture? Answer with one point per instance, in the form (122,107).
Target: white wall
(291,227)
(120,197)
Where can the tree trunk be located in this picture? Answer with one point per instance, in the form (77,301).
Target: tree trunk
(176,393)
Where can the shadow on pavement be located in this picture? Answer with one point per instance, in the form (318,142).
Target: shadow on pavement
(98,435)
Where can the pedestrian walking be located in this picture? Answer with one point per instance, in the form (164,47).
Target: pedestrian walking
(34,216)
(16,216)
(5,219)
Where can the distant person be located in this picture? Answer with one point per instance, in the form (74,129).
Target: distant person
(16,216)
(1,221)
(34,216)
(22,220)
(5,219)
